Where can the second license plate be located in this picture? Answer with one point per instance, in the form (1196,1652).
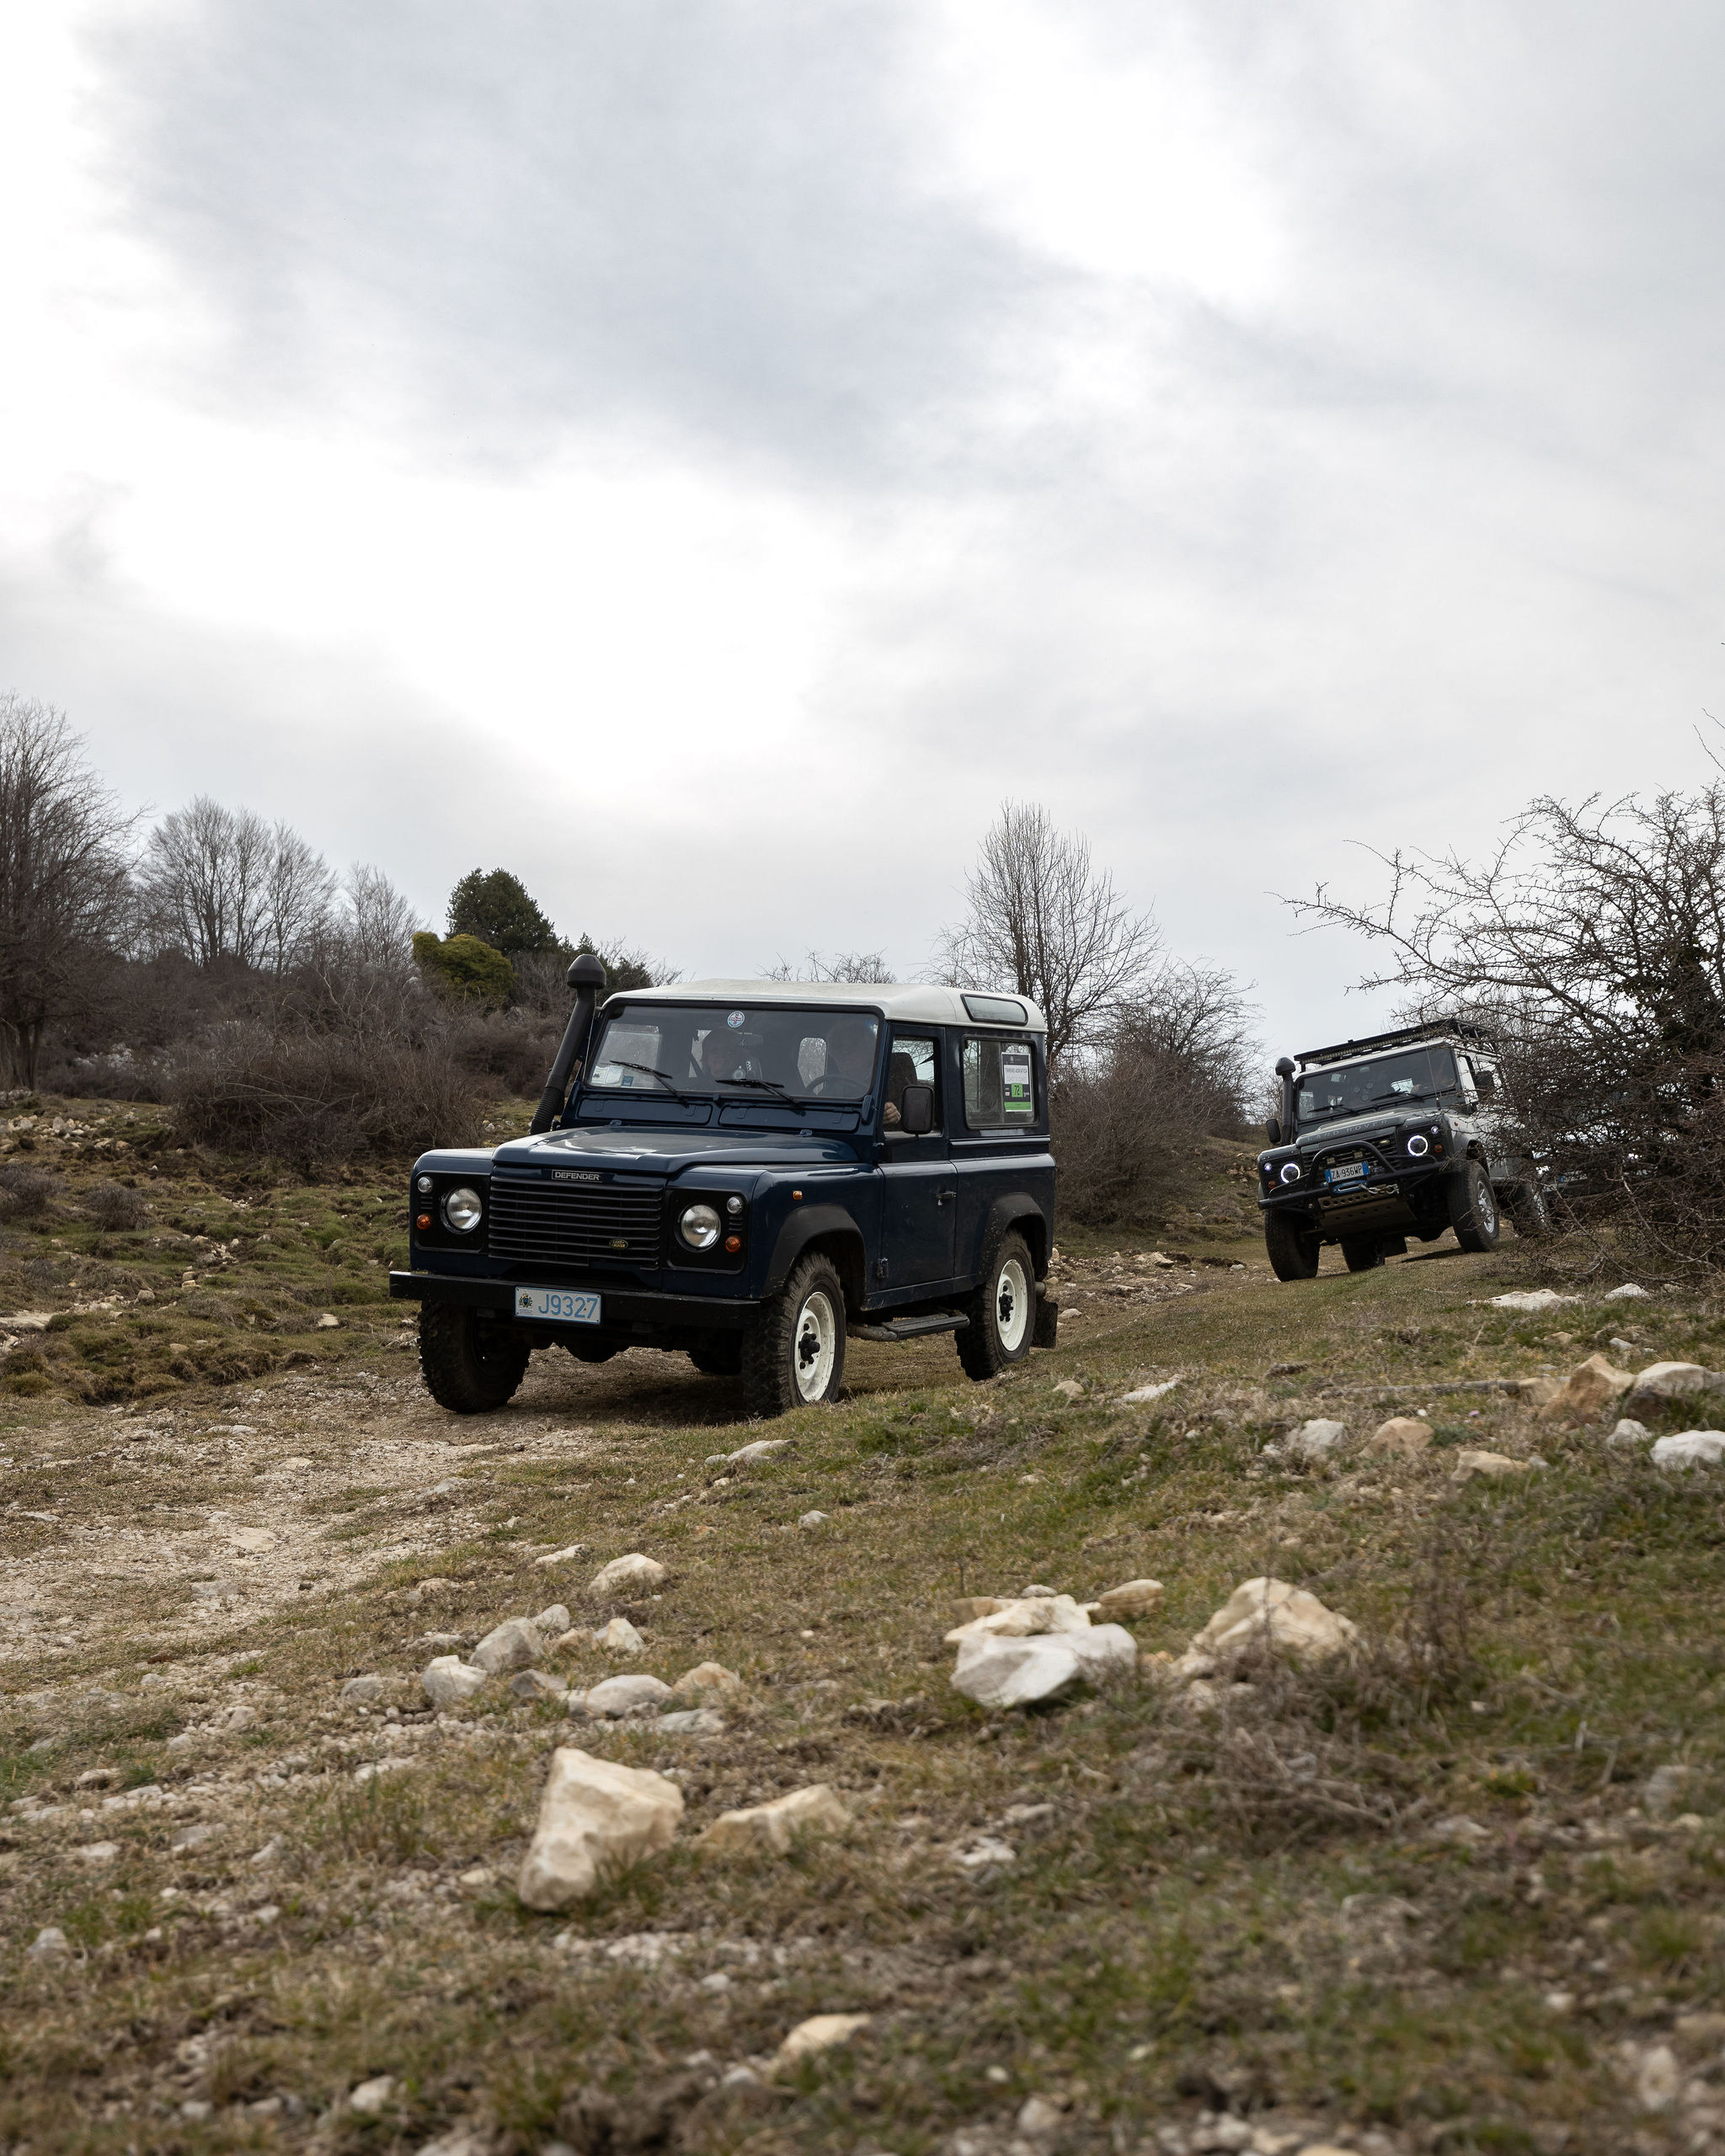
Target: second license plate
(1350,1173)
(557,1306)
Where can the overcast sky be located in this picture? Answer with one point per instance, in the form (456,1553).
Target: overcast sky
(704,455)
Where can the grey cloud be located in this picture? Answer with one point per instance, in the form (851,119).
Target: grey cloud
(703,215)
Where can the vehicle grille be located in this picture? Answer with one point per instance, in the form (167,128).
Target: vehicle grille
(546,1225)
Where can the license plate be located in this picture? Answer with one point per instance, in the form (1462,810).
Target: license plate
(1350,1173)
(557,1306)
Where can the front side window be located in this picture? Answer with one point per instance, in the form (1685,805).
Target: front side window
(915,1060)
(708,1050)
(999,1084)
(1386,1082)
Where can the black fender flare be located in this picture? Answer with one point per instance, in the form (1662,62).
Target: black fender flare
(811,1224)
(1010,1211)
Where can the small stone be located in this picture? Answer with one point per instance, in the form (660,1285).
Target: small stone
(623,1577)
(96,1778)
(1470,1462)
(751,1455)
(1404,1437)
(1690,1448)
(515,1644)
(449,1682)
(1668,1381)
(552,1623)
(1069,1389)
(1657,2077)
(1627,1435)
(709,1677)
(1145,1393)
(1532,1298)
(370,2096)
(1023,1618)
(1313,1441)
(192,1837)
(98,1852)
(691,1721)
(362,1690)
(1269,1613)
(1132,1599)
(615,1697)
(50,1944)
(1591,1387)
(595,1817)
(1535,1392)
(1630,1291)
(537,1684)
(769,1829)
(480,1877)
(985,1854)
(812,1520)
(327,1321)
(619,1636)
(821,2032)
(1039,2118)
(560,1556)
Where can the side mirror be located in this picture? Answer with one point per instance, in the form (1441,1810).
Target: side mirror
(916,1111)
(1273,1130)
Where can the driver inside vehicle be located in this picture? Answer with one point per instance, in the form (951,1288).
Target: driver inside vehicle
(850,1062)
(721,1058)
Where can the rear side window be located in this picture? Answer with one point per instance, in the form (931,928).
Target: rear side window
(999,1084)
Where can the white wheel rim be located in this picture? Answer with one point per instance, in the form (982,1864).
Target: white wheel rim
(814,1345)
(1487,1206)
(1011,1305)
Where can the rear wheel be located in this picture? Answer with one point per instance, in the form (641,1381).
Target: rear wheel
(1363,1253)
(1002,1312)
(719,1358)
(1529,1213)
(1473,1209)
(1292,1246)
(470,1360)
(793,1353)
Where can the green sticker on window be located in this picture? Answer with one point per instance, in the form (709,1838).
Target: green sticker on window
(1017,1096)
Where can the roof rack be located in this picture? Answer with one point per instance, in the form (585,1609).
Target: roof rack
(1403,1037)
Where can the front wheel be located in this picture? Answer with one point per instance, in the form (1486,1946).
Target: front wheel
(793,1353)
(1002,1312)
(1292,1246)
(471,1361)
(1364,1253)
(1473,1209)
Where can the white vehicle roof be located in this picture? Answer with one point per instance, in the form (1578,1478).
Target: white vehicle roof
(894,1000)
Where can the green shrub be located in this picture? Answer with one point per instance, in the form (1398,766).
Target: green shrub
(464,966)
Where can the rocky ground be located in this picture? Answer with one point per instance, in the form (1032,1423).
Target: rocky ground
(1459,1884)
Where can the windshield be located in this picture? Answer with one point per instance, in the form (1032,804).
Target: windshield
(702,1051)
(1385,1083)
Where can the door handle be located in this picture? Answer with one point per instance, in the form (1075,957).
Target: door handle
(944,1197)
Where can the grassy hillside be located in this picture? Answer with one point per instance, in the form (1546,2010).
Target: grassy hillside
(1443,1897)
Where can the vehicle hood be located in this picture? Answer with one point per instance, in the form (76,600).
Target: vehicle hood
(1349,1129)
(669,1152)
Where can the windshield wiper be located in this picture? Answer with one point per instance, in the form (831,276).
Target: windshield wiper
(766,1085)
(650,1070)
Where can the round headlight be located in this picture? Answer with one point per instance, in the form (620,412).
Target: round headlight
(1290,1171)
(1419,1146)
(424,1186)
(699,1227)
(462,1211)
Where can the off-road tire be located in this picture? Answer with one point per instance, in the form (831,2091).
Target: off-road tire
(796,1332)
(719,1358)
(1363,1253)
(1294,1250)
(1001,1311)
(1473,1207)
(471,1362)
(1529,1214)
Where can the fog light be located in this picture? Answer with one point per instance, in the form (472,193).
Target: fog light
(1290,1171)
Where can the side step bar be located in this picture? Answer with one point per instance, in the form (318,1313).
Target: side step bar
(909,1328)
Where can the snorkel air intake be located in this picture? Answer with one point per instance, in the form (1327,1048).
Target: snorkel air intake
(587,979)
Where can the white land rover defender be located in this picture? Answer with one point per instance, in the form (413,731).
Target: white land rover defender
(1406,1133)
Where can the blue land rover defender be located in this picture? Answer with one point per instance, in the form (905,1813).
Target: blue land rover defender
(750,1173)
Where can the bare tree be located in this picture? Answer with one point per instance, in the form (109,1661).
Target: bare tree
(867,968)
(1045,921)
(380,920)
(1593,942)
(218,882)
(1196,1018)
(63,888)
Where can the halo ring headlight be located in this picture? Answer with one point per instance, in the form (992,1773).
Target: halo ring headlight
(1418,1145)
(463,1209)
(698,1226)
(1290,1171)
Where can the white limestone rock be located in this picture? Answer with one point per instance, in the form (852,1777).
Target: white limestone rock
(1670,1381)
(1269,1613)
(1628,1435)
(769,1829)
(1690,1448)
(515,1644)
(447,1681)
(613,1697)
(625,1577)
(1131,1599)
(1023,1618)
(619,1637)
(595,1817)
(1017,1672)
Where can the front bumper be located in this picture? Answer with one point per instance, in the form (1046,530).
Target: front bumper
(1401,1193)
(624,1311)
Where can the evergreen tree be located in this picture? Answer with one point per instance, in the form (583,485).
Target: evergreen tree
(497,909)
